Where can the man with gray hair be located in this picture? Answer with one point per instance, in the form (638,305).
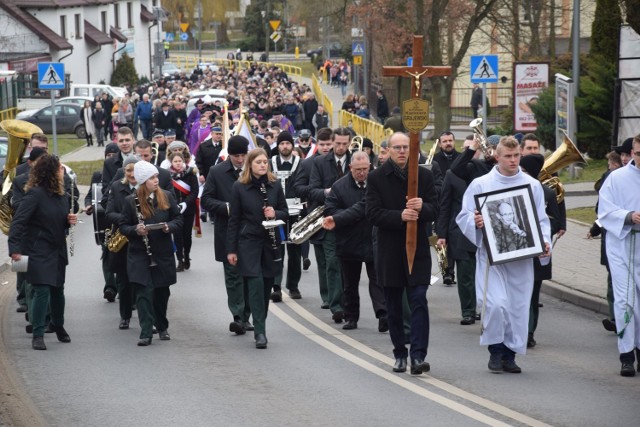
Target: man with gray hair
(345,212)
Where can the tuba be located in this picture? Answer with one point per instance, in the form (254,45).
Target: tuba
(302,230)
(19,133)
(485,147)
(564,156)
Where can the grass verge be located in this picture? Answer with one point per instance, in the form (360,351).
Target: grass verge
(66,143)
(586,215)
(85,170)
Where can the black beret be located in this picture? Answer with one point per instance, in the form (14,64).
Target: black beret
(238,144)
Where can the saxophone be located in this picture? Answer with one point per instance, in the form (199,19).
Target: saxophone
(145,238)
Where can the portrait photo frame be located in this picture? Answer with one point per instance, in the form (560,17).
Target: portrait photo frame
(511,229)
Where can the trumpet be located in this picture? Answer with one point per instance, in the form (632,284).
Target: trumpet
(155,150)
(485,147)
(432,152)
(355,144)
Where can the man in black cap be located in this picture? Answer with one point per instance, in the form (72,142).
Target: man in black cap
(215,199)
(625,151)
(165,119)
(208,152)
(169,136)
(285,165)
(158,138)
(306,143)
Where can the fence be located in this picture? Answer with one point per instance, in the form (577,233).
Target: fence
(191,62)
(322,98)
(373,130)
(9,113)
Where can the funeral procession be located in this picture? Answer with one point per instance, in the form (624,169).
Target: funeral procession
(336,213)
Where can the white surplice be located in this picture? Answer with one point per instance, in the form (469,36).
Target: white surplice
(510,285)
(619,195)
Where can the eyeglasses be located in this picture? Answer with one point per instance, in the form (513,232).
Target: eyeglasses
(400,148)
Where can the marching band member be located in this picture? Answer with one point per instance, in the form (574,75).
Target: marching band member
(117,261)
(150,264)
(38,230)
(185,185)
(256,196)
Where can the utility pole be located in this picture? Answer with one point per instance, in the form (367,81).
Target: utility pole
(200,32)
(266,17)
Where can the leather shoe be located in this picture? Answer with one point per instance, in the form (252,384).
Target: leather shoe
(203,217)
(124,324)
(236,327)
(383,324)
(419,366)
(247,326)
(164,335)
(495,362)
(110,295)
(351,324)
(29,329)
(609,325)
(306,263)
(324,306)
(37,343)
(295,294)
(627,369)
(61,334)
(21,309)
(530,341)
(338,316)
(467,320)
(447,279)
(400,365)
(510,366)
(187,264)
(180,267)
(143,342)
(261,341)
(276,296)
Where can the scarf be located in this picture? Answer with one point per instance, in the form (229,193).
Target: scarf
(398,171)
(177,174)
(258,182)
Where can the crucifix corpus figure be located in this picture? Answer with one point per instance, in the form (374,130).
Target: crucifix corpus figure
(416,72)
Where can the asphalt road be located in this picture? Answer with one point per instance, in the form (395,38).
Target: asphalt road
(312,373)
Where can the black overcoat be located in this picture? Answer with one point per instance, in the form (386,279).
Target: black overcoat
(543,272)
(109,170)
(115,205)
(467,168)
(443,161)
(215,199)
(453,189)
(246,236)
(207,156)
(346,204)
(386,199)
(138,269)
(39,229)
(191,180)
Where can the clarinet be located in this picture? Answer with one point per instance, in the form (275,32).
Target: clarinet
(72,245)
(145,238)
(272,232)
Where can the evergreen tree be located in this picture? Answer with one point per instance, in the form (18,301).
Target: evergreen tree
(605,30)
(125,72)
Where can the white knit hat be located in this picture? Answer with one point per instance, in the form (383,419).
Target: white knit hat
(144,170)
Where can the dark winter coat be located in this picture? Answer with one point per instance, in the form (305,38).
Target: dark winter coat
(385,201)
(38,230)
(207,156)
(444,162)
(162,121)
(138,269)
(447,228)
(115,206)
(191,180)
(543,272)
(246,236)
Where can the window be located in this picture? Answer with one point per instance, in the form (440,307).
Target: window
(63,26)
(78,28)
(129,15)
(116,15)
(103,20)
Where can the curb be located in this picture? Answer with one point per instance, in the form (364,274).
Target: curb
(581,299)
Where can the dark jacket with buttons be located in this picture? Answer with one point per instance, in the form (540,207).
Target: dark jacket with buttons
(207,156)
(447,228)
(346,204)
(115,205)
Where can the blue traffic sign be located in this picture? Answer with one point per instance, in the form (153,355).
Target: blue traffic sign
(410,61)
(357,48)
(169,37)
(184,37)
(51,75)
(484,69)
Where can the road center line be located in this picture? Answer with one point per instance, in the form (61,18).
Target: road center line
(393,378)
(456,391)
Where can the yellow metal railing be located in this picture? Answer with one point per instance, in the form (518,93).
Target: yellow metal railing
(364,127)
(322,98)
(187,63)
(9,113)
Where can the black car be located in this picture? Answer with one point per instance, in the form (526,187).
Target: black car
(335,51)
(67,119)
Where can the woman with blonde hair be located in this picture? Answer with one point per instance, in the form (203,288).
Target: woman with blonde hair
(256,196)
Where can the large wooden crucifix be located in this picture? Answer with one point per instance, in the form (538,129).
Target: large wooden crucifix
(415,117)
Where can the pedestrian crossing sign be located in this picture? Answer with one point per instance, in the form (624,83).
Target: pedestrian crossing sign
(357,49)
(51,75)
(484,69)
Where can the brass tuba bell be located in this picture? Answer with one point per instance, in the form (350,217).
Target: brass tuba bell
(566,154)
(355,144)
(485,147)
(19,133)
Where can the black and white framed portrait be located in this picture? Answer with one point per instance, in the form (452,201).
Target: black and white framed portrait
(511,225)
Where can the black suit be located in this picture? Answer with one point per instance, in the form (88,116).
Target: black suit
(109,170)
(165,122)
(444,161)
(385,201)
(467,168)
(207,156)
(346,204)
(215,199)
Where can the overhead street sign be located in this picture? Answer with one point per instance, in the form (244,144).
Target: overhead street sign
(51,75)
(184,27)
(357,48)
(484,69)
(275,24)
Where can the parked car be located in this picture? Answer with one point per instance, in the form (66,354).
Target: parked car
(335,51)
(67,119)
(170,69)
(78,100)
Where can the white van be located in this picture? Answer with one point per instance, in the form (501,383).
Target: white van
(92,90)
